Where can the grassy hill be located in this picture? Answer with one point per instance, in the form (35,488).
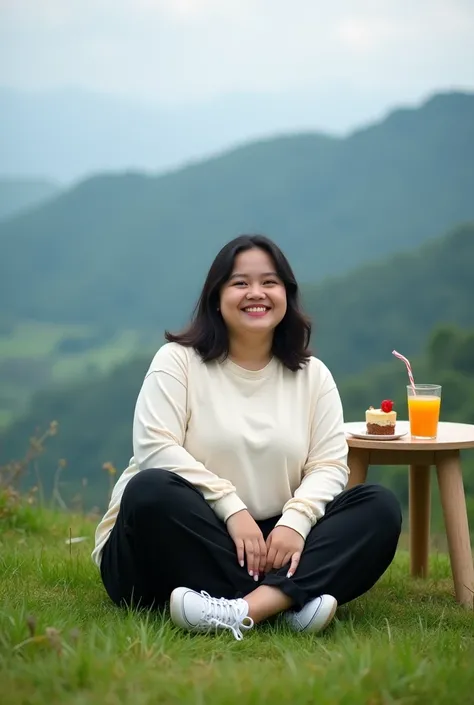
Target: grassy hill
(63,641)
(131,250)
(17,195)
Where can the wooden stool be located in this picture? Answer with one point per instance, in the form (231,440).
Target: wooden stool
(444,454)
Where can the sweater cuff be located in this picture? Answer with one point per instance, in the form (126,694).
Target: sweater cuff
(296,520)
(228,505)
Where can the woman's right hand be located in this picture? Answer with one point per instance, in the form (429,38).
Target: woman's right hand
(249,542)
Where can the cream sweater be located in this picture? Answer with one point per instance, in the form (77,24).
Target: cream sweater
(271,440)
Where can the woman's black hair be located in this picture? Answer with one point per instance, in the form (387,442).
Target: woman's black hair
(207,333)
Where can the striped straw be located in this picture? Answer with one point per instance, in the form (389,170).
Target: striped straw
(407,363)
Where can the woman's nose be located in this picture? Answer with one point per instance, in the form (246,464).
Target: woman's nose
(255,292)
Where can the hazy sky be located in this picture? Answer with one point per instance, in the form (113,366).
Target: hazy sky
(181,50)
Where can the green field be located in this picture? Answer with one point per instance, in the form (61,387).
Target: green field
(31,339)
(33,356)
(62,641)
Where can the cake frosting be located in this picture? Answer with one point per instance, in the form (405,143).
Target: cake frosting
(381,422)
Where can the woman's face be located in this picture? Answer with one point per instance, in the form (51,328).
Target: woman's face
(253,300)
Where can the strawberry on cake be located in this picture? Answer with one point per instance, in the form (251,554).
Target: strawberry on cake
(381,422)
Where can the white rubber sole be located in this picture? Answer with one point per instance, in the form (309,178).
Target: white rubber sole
(330,616)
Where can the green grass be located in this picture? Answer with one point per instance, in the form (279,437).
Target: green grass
(406,641)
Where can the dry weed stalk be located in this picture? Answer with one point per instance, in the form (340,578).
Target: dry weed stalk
(11,473)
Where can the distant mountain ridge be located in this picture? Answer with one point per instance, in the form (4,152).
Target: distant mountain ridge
(133,249)
(71,133)
(18,194)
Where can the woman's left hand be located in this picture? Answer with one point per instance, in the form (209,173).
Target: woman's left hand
(284,545)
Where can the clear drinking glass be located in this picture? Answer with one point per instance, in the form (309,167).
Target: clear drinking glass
(424,403)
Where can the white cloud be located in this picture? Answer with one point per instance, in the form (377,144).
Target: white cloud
(173,50)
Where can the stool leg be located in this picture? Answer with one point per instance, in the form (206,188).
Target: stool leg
(358,462)
(419,511)
(453,500)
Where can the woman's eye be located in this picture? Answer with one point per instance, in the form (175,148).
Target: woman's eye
(266,282)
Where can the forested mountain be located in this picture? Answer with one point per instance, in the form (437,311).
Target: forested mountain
(131,250)
(361,316)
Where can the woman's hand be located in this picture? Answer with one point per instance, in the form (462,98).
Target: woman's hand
(249,542)
(284,545)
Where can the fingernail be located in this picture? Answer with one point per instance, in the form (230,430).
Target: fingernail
(251,573)
(288,575)
(255,577)
(241,564)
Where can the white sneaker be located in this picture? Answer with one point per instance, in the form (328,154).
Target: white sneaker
(315,615)
(199,612)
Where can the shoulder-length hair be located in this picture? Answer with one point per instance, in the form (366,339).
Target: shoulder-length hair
(207,333)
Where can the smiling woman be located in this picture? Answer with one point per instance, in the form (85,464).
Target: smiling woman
(253,300)
(234,506)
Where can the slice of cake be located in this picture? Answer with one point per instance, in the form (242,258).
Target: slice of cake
(381,422)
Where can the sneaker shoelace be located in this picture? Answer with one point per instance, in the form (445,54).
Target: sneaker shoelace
(229,614)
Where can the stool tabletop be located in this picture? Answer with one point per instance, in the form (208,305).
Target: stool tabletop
(451,436)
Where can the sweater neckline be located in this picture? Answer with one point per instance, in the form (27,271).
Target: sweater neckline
(243,372)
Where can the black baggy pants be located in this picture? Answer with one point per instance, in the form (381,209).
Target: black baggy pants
(166,535)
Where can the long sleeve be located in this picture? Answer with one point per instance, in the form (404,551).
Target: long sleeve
(159,429)
(325,473)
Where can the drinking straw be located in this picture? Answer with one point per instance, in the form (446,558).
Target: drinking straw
(407,363)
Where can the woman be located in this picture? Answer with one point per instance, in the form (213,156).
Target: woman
(234,507)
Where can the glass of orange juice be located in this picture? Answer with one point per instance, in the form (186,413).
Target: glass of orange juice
(424,402)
